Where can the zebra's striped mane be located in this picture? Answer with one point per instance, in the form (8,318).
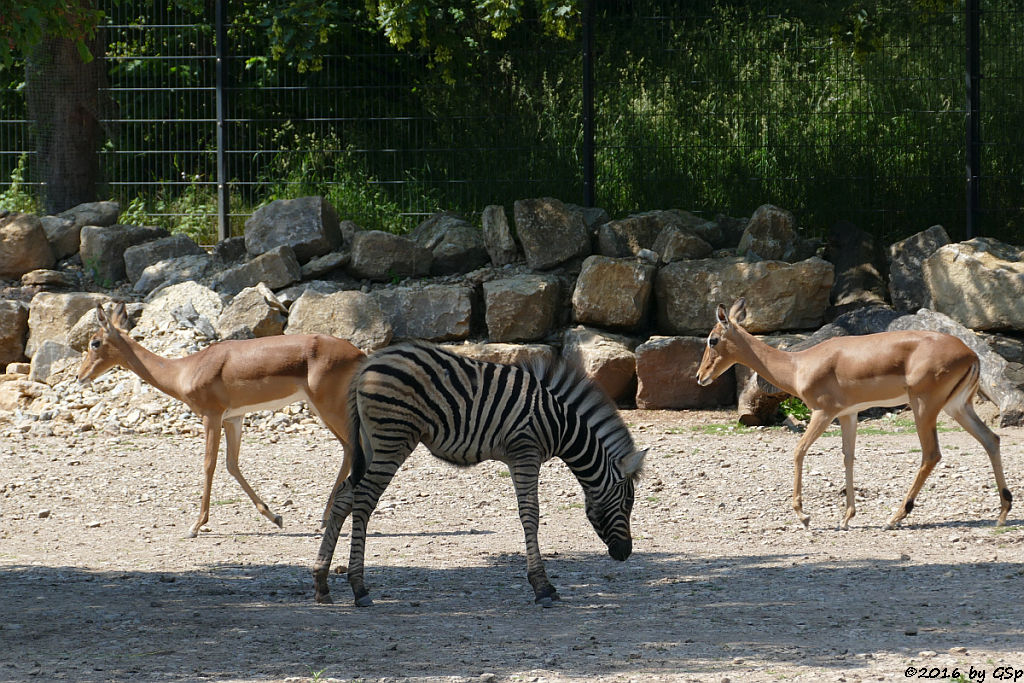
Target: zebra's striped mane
(568,383)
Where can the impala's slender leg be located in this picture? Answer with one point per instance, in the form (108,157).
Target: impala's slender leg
(524,477)
(334,423)
(925,417)
(849,427)
(341,507)
(212,425)
(970,421)
(233,443)
(820,420)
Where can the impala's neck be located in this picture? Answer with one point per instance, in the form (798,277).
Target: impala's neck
(155,370)
(770,363)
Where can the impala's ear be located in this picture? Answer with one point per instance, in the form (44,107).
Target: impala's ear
(738,313)
(721,316)
(105,321)
(120,316)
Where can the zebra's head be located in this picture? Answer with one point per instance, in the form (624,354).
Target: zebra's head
(609,509)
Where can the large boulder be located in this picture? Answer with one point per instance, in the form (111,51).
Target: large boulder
(13,329)
(780,296)
(185,304)
(521,308)
(681,244)
(498,240)
(276,268)
(254,312)
(507,354)
(607,359)
(102,214)
(613,293)
(666,370)
(140,256)
(770,234)
(907,288)
(979,283)
(352,315)
(51,316)
(382,256)
(64,230)
(435,312)
(307,225)
(456,246)
(23,245)
(102,249)
(859,268)
(174,270)
(551,232)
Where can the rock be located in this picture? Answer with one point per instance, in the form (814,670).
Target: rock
(51,316)
(102,249)
(350,315)
(102,214)
(49,279)
(680,244)
(52,358)
(140,256)
(276,268)
(307,225)
(613,293)
(509,354)
(321,265)
(381,256)
(159,313)
(198,267)
(63,234)
(624,237)
(290,295)
(907,289)
(666,369)
(521,308)
(550,232)
(607,359)
(229,252)
(770,234)
(254,312)
(780,296)
(979,283)
(13,331)
(23,245)
(498,240)
(859,268)
(456,246)
(435,312)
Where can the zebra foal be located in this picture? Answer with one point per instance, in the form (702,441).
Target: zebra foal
(467,411)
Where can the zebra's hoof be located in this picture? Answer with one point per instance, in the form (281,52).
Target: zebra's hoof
(324,599)
(546,601)
(364,601)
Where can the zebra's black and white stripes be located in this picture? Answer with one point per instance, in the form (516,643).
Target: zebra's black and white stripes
(466,411)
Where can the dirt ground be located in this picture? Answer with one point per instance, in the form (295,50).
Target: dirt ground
(98,583)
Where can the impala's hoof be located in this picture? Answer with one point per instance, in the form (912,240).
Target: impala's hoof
(279,521)
(546,602)
(364,601)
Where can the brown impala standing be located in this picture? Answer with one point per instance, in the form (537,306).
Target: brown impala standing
(228,379)
(930,371)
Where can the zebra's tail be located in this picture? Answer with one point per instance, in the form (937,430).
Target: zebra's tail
(360,439)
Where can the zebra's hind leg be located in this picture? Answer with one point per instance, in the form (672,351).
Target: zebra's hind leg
(524,476)
(366,495)
(340,509)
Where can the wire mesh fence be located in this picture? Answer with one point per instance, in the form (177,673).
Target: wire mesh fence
(709,106)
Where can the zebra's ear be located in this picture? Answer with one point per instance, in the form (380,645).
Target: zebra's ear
(631,464)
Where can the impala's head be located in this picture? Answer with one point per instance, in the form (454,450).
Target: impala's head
(609,509)
(103,350)
(718,354)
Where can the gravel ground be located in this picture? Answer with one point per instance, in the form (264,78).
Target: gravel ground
(98,583)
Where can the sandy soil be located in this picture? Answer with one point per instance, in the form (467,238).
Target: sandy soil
(98,583)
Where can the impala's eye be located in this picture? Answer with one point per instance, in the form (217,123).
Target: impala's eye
(95,343)
(712,341)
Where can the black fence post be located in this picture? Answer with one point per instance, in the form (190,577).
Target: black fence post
(588,103)
(223,200)
(973,141)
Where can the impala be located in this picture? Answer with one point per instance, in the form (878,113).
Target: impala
(930,371)
(228,379)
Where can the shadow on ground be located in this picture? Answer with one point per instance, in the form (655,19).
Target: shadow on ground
(655,613)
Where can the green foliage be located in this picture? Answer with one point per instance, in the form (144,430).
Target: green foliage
(16,197)
(795,408)
(190,211)
(26,22)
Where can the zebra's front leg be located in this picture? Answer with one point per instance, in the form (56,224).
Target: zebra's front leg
(524,477)
(340,509)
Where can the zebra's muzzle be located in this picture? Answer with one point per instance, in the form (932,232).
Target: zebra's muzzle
(620,549)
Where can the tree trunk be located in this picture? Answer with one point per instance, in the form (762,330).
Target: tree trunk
(63,97)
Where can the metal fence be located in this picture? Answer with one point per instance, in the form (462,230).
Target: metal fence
(717,107)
